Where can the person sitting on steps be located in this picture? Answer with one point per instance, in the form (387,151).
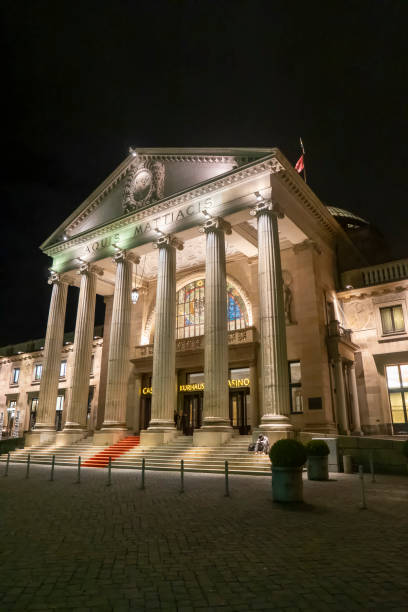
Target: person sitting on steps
(262,445)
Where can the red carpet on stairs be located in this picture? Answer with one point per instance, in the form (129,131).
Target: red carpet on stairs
(101,459)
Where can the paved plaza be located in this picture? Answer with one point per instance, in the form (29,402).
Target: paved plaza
(89,546)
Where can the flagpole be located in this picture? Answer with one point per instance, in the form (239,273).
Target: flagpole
(304,159)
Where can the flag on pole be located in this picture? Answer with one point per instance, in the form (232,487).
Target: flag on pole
(300,164)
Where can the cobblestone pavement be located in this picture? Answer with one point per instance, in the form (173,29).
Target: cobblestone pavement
(92,547)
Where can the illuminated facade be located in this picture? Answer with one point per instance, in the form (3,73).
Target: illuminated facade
(238,320)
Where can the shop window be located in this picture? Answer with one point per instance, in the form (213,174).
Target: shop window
(63,369)
(397,382)
(60,403)
(37,371)
(15,376)
(11,408)
(392,319)
(190,309)
(295,387)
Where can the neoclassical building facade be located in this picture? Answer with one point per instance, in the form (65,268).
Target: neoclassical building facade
(233,305)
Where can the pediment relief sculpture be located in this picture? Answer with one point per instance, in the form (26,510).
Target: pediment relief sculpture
(145,185)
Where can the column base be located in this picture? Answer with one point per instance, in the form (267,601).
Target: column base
(211,437)
(65,438)
(275,422)
(155,438)
(108,437)
(34,438)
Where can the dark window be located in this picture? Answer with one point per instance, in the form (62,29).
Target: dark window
(315,403)
(16,376)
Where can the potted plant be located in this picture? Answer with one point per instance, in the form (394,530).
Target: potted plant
(288,457)
(317,460)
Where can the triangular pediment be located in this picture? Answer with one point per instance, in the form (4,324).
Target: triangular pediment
(145,177)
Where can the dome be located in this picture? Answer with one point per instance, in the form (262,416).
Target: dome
(346,218)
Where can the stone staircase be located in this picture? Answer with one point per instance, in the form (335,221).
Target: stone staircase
(64,455)
(198,458)
(163,457)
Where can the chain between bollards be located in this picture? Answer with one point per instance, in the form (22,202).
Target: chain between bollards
(227,494)
(28,466)
(363,504)
(182,476)
(7,465)
(109,472)
(372,467)
(52,468)
(142,486)
(79,471)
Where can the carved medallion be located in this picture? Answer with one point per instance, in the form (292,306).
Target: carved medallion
(145,185)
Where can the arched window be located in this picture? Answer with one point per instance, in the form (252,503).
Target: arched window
(190,309)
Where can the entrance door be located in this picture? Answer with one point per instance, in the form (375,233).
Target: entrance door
(238,411)
(192,413)
(146,410)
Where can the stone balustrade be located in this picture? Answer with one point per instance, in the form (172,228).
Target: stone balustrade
(375,275)
(196,343)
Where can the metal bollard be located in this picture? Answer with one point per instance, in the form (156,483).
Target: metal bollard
(52,468)
(79,471)
(142,486)
(109,472)
(182,476)
(227,494)
(372,467)
(363,504)
(28,466)
(7,465)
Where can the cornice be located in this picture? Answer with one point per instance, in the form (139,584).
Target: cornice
(374,290)
(206,188)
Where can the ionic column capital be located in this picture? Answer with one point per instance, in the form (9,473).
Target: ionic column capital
(168,241)
(87,268)
(123,255)
(267,207)
(55,278)
(214,224)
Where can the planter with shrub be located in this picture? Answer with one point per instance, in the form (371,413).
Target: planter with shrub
(288,457)
(317,460)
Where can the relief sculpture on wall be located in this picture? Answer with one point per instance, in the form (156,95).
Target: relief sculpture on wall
(359,315)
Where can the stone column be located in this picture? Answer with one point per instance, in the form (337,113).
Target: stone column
(114,424)
(161,427)
(341,403)
(44,430)
(76,410)
(216,428)
(275,403)
(354,396)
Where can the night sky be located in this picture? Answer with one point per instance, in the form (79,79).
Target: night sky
(82,81)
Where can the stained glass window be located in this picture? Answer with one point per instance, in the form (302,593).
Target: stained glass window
(190,309)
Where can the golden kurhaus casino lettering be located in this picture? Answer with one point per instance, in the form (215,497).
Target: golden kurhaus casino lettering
(235,383)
